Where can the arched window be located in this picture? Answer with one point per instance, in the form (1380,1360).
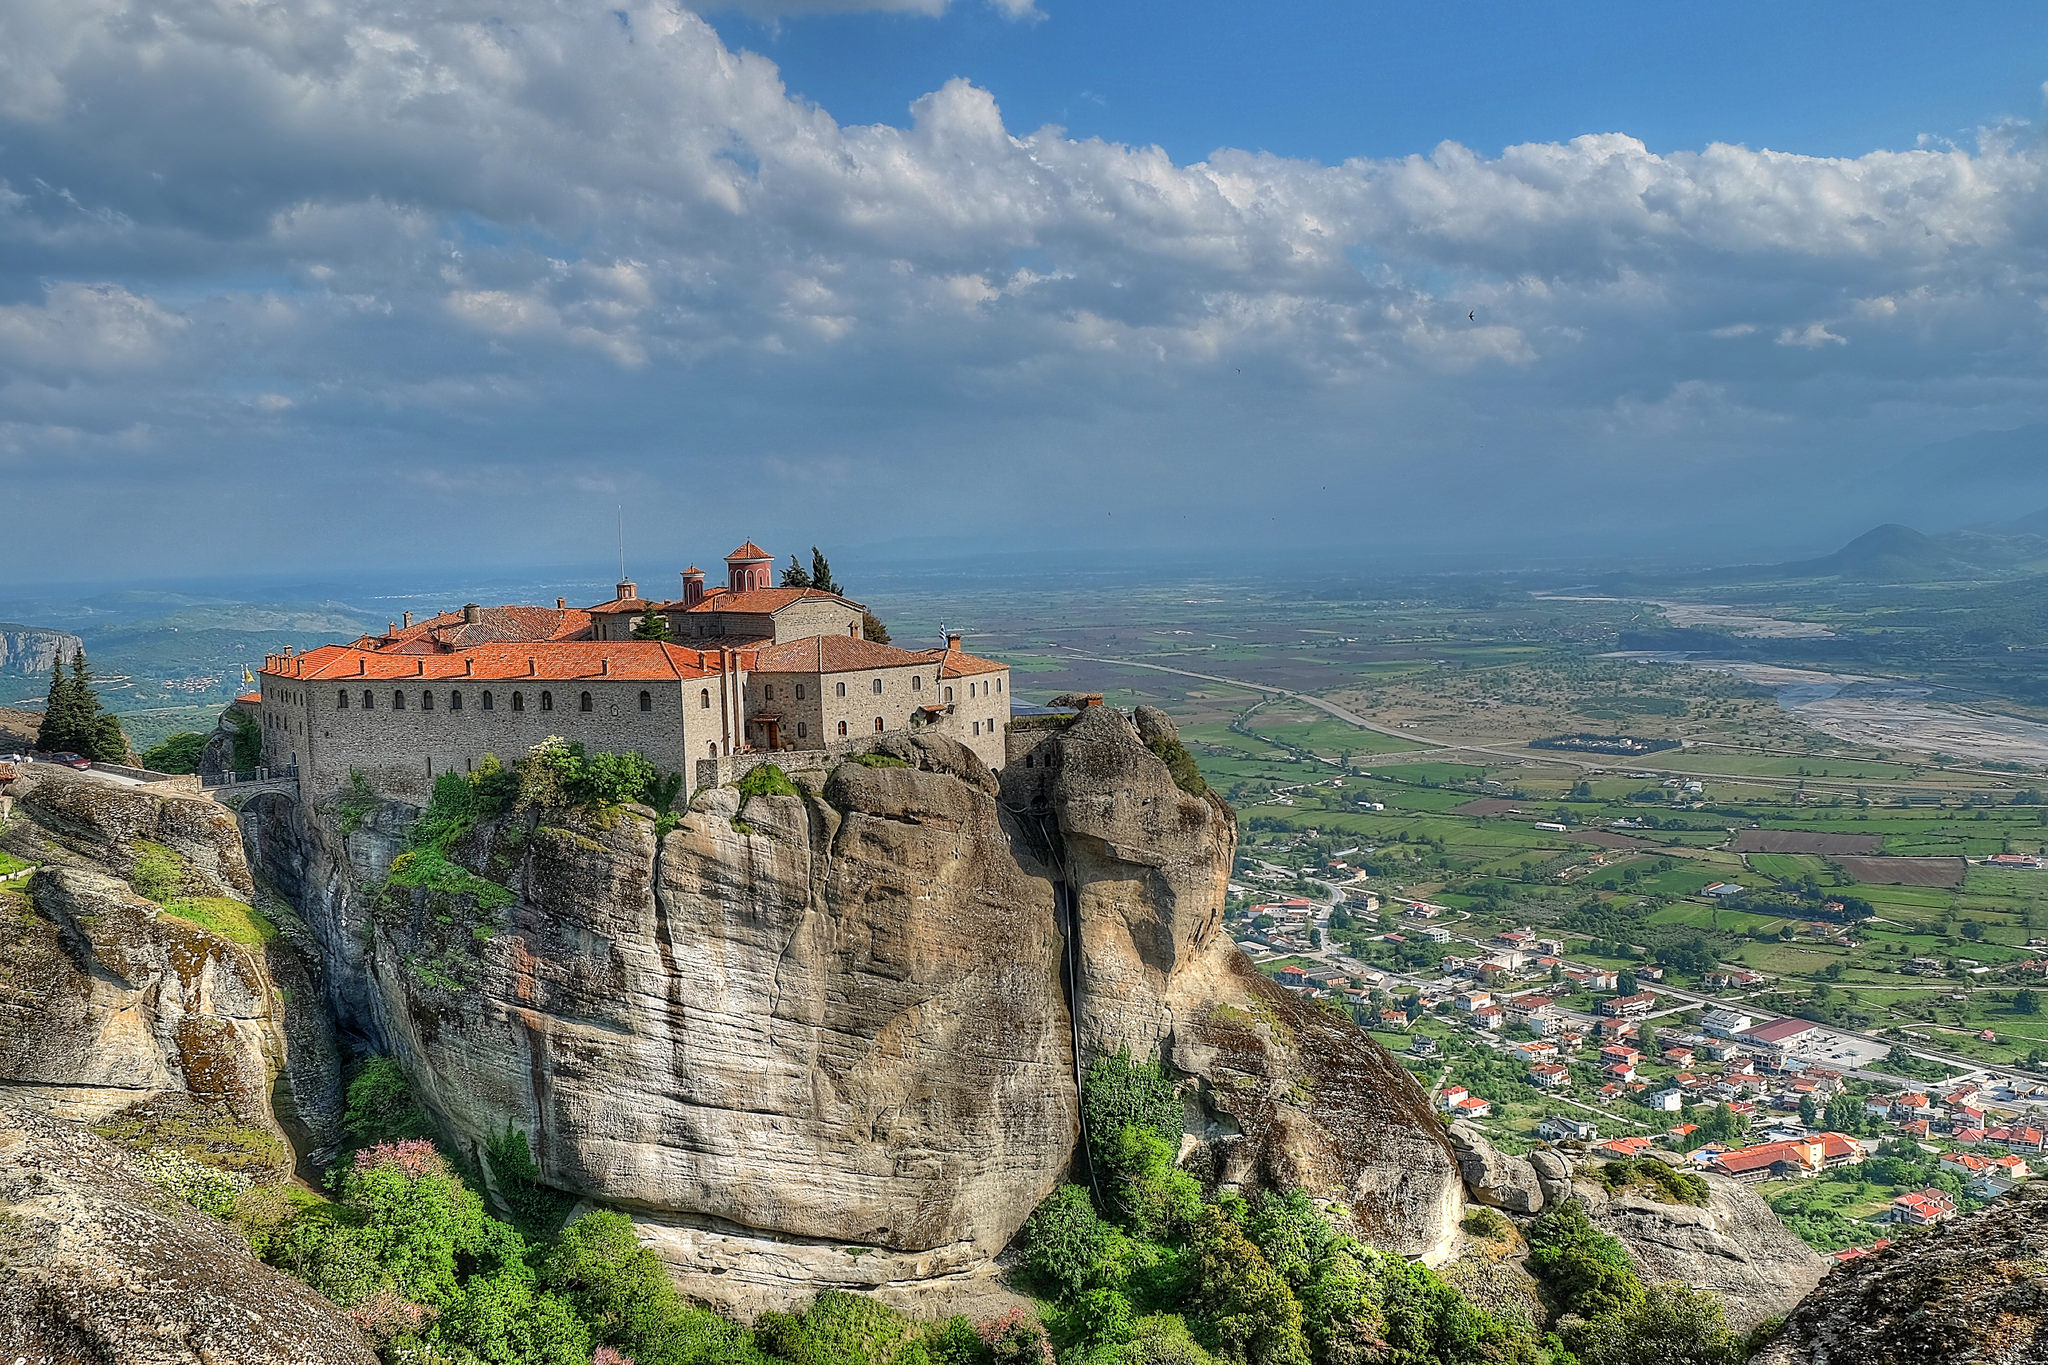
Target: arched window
(426,701)
(803,731)
(341,700)
(487,702)
(878,725)
(999,685)
(917,682)
(518,701)
(841,687)
(949,694)
(547,701)
(799,691)
(878,687)
(454,701)
(397,700)
(369,700)
(704,698)
(1027,761)
(646,701)
(583,702)
(842,729)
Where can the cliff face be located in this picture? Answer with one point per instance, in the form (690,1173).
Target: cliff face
(116,1012)
(825,1038)
(31,651)
(1971,1292)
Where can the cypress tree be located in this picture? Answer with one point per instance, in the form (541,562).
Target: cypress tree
(821,572)
(652,625)
(53,735)
(795,576)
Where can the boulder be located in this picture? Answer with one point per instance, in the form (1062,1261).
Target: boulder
(1553,1174)
(98,1264)
(1494,1177)
(1971,1292)
(1733,1245)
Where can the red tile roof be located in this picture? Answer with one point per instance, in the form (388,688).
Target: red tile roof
(761,601)
(494,625)
(833,654)
(560,661)
(954,663)
(746,552)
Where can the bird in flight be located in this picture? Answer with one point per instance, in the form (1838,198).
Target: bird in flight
(1472,316)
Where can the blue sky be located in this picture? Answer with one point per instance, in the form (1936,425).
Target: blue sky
(299,287)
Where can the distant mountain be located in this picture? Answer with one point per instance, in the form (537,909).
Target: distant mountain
(1890,553)
(30,651)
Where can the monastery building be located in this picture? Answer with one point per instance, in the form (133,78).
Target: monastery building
(752,669)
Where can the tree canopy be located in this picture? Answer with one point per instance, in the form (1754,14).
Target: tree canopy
(75,722)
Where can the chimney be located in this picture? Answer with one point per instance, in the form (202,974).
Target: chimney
(952,642)
(604,667)
(468,666)
(408,620)
(288,651)
(391,627)
(471,613)
(561,604)
(532,669)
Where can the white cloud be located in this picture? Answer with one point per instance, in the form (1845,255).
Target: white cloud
(529,223)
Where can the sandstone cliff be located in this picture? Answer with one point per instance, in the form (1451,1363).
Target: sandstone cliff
(153,1023)
(97,1264)
(832,1037)
(1971,1292)
(32,651)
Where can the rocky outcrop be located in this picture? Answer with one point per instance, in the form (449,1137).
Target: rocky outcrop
(831,1038)
(98,1264)
(1971,1292)
(1494,1177)
(117,1012)
(1733,1245)
(1553,1174)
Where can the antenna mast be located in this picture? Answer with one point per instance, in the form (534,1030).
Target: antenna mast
(622,542)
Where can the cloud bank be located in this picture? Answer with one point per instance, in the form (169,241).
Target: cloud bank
(392,260)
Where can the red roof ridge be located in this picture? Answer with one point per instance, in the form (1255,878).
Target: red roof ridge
(745,553)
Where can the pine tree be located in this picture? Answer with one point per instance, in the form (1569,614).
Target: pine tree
(652,625)
(795,576)
(54,734)
(821,572)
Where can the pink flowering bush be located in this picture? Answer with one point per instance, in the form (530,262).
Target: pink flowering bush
(605,1355)
(1015,1338)
(412,1158)
(385,1316)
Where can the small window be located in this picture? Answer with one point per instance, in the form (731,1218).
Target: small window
(704,698)
(369,700)
(799,691)
(426,701)
(917,682)
(949,694)
(341,700)
(397,700)
(487,702)
(547,701)
(841,687)
(712,748)
(454,701)
(646,701)
(1027,761)
(768,692)
(583,702)
(842,729)
(878,687)
(878,725)
(803,731)
(977,727)
(518,701)
(999,686)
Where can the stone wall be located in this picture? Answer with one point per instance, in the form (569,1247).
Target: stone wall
(401,752)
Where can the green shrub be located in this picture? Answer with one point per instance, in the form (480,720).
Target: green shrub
(537,1208)
(248,741)
(1186,775)
(354,803)
(381,1106)
(765,780)
(1241,1308)
(178,753)
(836,1329)
(230,919)
(558,773)
(1481,1221)
(1582,1269)
(624,1292)
(1155,1196)
(1064,1240)
(1663,1181)
(1670,1324)
(158,873)
(1119,1093)
(429,869)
